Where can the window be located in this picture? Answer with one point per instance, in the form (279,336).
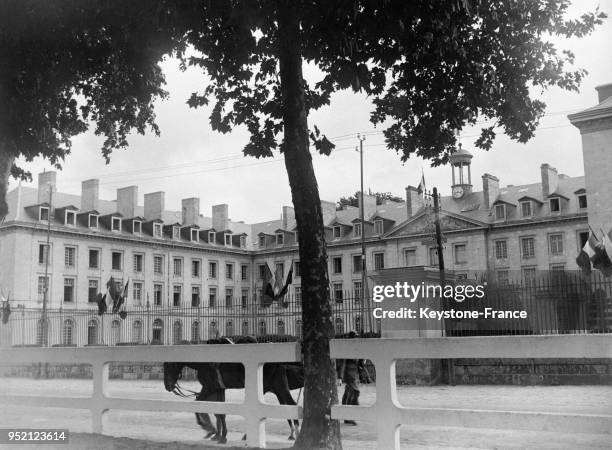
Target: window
(244,298)
(528,247)
(195,268)
(176,295)
(337,264)
(158,331)
(556,244)
(229,298)
(296,269)
(195,332)
(557,267)
(212,270)
(358,324)
(177,332)
(337,232)
(178,267)
(555,205)
(115,332)
(43,283)
(93,221)
(460,253)
(43,213)
(242,241)
(157,294)
(195,296)
(379,261)
(213,331)
(263,329)
(67,332)
(69,256)
(94,258)
(229,271)
(500,212)
(137,292)
(137,226)
(92,332)
(43,253)
(212,297)
(410,257)
(262,241)
(298,294)
(261,271)
(68,290)
(502,277)
(582,201)
(211,237)
(357,229)
(138,262)
(116,224)
(245,328)
(229,328)
(378,227)
(357,265)
(526,209)
(501,249)
(70,218)
(280,239)
(338,292)
(433,257)
(116,260)
(244,272)
(280,271)
(194,235)
(176,233)
(157,230)
(137,332)
(92,290)
(358,290)
(338,326)
(529,276)
(583,237)
(158,264)
(280,328)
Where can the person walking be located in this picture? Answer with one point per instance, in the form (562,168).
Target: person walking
(350,372)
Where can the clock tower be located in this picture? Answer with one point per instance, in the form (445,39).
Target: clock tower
(462,175)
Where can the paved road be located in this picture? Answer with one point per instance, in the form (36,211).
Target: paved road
(179,430)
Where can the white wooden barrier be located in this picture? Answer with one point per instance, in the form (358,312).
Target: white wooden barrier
(389,415)
(254,410)
(387,412)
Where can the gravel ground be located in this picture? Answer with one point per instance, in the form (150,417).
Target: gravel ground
(151,430)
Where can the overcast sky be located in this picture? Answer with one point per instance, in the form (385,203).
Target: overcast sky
(190,160)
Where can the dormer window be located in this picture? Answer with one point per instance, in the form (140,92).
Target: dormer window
(116,224)
(157,230)
(43,213)
(357,229)
(227,239)
(280,239)
(500,212)
(211,237)
(137,226)
(582,201)
(378,226)
(92,221)
(242,241)
(194,235)
(70,218)
(555,205)
(337,232)
(526,210)
(176,233)
(262,241)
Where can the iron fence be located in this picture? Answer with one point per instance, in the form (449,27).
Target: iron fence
(556,302)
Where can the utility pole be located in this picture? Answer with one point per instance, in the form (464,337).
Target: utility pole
(436,200)
(364,270)
(45,325)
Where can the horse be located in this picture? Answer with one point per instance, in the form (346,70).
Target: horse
(279,378)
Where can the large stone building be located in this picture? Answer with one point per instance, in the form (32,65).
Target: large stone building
(184,259)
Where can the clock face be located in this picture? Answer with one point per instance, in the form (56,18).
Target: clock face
(458,192)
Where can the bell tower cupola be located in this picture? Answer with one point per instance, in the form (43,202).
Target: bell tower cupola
(460,162)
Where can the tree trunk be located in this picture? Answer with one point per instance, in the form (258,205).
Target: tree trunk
(6,162)
(318,431)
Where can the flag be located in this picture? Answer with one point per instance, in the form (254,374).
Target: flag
(586,254)
(607,243)
(118,302)
(283,290)
(6,312)
(101,300)
(601,260)
(421,187)
(267,288)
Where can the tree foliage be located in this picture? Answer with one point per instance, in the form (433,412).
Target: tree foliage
(353,200)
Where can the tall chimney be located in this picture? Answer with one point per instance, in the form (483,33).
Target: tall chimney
(604,92)
(154,205)
(490,189)
(220,220)
(127,200)
(90,194)
(369,202)
(288,216)
(329,211)
(191,210)
(414,201)
(46,179)
(550,180)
